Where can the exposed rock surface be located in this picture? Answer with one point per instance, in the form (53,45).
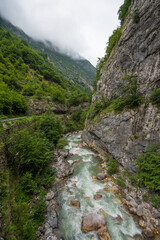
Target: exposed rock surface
(63,167)
(75,203)
(41,106)
(127,134)
(103,234)
(101,176)
(97,196)
(92,222)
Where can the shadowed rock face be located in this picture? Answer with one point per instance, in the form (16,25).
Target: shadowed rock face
(127,134)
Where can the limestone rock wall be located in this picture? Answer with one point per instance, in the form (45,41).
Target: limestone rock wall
(127,134)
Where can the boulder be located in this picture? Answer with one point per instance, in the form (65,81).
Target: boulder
(140,210)
(133,211)
(142,223)
(103,234)
(63,153)
(97,196)
(75,203)
(50,196)
(119,218)
(92,222)
(101,176)
(148,232)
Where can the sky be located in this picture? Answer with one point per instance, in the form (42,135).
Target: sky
(81,26)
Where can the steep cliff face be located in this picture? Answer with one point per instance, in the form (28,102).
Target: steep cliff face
(125,135)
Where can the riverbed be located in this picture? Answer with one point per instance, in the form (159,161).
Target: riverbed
(82,186)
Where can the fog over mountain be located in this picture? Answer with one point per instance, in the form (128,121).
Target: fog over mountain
(81,26)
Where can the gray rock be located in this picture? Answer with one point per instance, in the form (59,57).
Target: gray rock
(125,135)
(101,176)
(64,153)
(48,232)
(140,210)
(50,196)
(53,222)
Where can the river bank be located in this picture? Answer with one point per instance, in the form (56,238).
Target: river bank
(83,192)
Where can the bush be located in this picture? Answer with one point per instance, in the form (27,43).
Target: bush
(27,183)
(51,126)
(113,40)
(27,152)
(112,166)
(120,181)
(136,17)
(62,142)
(129,96)
(95,108)
(19,104)
(149,168)
(155,96)
(76,115)
(123,11)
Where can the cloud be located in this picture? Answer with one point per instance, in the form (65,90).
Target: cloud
(83,26)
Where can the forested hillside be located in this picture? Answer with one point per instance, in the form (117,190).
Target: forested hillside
(24,73)
(79,71)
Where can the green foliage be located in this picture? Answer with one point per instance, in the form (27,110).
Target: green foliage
(156,200)
(129,97)
(149,168)
(95,108)
(24,72)
(28,154)
(77,97)
(136,17)
(51,126)
(112,166)
(27,151)
(62,142)
(113,40)
(27,183)
(155,96)
(123,11)
(120,181)
(76,120)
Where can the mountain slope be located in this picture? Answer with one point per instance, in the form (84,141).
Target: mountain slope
(79,71)
(25,75)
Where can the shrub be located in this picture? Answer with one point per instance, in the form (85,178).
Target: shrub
(149,168)
(113,40)
(112,166)
(62,142)
(19,104)
(156,200)
(155,96)
(76,115)
(27,183)
(123,11)
(120,181)
(95,108)
(27,152)
(136,17)
(51,126)
(129,96)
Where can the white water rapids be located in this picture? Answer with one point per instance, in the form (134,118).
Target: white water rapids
(82,187)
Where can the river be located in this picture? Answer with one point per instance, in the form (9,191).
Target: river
(82,187)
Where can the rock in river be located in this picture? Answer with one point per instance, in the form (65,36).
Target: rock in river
(101,176)
(75,203)
(92,222)
(103,234)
